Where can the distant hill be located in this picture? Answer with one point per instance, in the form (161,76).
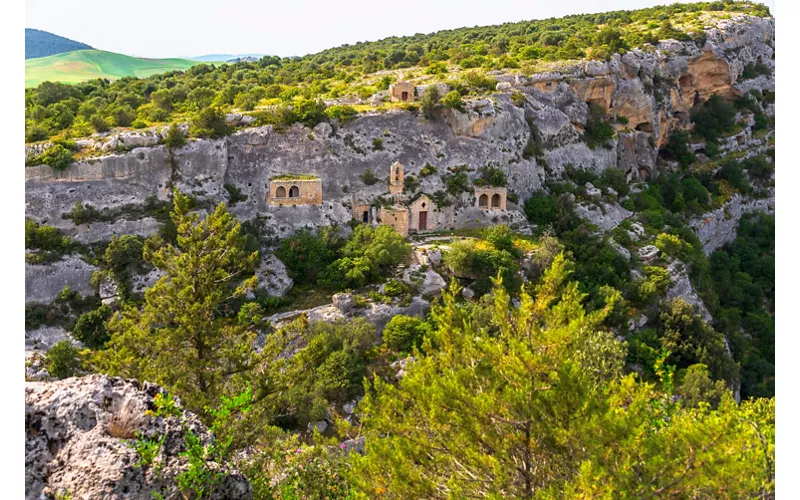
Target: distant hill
(40,43)
(82,65)
(223,57)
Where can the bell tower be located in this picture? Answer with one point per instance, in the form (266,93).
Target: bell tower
(396,178)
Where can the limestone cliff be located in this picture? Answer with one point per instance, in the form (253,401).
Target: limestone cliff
(650,89)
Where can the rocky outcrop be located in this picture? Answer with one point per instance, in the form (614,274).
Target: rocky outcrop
(681,286)
(78,434)
(718,228)
(43,283)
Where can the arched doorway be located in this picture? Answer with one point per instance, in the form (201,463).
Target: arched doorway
(294,192)
(280,192)
(483,201)
(365,216)
(495,200)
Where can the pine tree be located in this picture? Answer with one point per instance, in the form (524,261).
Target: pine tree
(182,337)
(534,404)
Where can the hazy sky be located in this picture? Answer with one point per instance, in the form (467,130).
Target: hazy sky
(172,28)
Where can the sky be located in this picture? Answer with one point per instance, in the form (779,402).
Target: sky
(180,28)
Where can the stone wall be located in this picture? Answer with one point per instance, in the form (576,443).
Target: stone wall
(491,198)
(396,218)
(295,192)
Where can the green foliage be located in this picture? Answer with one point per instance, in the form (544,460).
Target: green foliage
(453,100)
(758,168)
(714,118)
(410,184)
(677,148)
(482,261)
(368,252)
(377,144)
(234,194)
(209,122)
(615,179)
(518,98)
(673,246)
(90,328)
(368,177)
(690,340)
(306,254)
(456,180)
(146,449)
(402,333)
(175,138)
(430,101)
(57,156)
(178,339)
(341,112)
(347,69)
(491,175)
(597,131)
(428,170)
(481,403)
(655,283)
(62,360)
(309,112)
(47,241)
(698,387)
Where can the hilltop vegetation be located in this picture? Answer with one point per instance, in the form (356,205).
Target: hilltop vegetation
(40,43)
(460,57)
(82,65)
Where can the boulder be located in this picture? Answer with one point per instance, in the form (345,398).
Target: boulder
(467,293)
(323,130)
(343,302)
(592,191)
(273,276)
(434,256)
(648,253)
(431,283)
(78,434)
(320,425)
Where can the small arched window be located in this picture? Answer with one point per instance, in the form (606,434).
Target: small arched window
(294,192)
(495,200)
(483,201)
(280,192)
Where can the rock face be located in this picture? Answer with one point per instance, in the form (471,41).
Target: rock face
(43,283)
(77,434)
(718,228)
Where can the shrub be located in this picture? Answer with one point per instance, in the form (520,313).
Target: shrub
(306,254)
(341,112)
(427,170)
(518,98)
(655,283)
(492,176)
(209,122)
(138,124)
(234,194)
(597,131)
(368,177)
(62,360)
(90,328)
(402,333)
(713,118)
(453,100)
(377,144)
(99,123)
(56,156)
(758,168)
(615,179)
(175,138)
(309,112)
(410,184)
(45,238)
(430,101)
(677,149)
(542,209)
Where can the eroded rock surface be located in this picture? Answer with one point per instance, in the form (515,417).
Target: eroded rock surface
(77,434)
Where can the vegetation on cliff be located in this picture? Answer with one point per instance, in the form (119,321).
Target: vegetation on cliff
(286,90)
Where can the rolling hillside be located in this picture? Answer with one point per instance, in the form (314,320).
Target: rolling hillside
(82,65)
(40,43)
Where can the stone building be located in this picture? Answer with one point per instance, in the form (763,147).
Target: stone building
(295,190)
(361,212)
(491,198)
(396,178)
(396,217)
(421,218)
(402,92)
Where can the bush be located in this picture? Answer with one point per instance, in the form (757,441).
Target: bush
(63,360)
(341,112)
(673,246)
(714,118)
(309,112)
(677,149)
(427,170)
(453,100)
(518,98)
(56,156)
(402,333)
(306,254)
(45,238)
(99,124)
(209,122)
(430,101)
(368,177)
(597,131)
(175,138)
(91,327)
(410,184)
(377,144)
(542,209)
(758,168)
(491,176)
(615,178)
(234,194)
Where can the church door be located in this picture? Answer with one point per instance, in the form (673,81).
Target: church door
(423,221)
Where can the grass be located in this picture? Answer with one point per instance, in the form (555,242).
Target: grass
(294,177)
(81,65)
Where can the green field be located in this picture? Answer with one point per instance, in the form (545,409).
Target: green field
(82,65)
